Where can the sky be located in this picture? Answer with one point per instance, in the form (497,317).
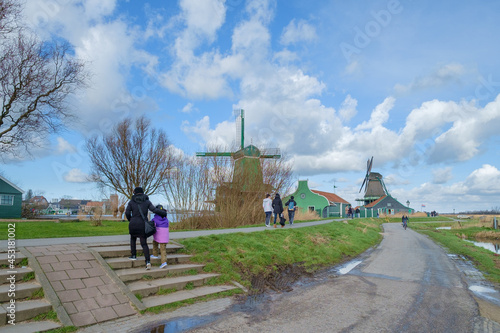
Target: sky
(415,84)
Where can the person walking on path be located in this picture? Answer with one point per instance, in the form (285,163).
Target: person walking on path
(267,204)
(136,213)
(358,212)
(292,205)
(161,237)
(277,207)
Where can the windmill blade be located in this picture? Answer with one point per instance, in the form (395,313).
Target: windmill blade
(369,166)
(364,181)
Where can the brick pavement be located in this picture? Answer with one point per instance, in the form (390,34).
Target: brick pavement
(87,294)
(143,323)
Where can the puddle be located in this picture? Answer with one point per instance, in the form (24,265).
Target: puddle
(179,325)
(482,289)
(444,228)
(348,267)
(491,246)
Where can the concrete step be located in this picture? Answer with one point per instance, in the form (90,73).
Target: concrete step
(146,288)
(19,274)
(26,310)
(122,262)
(184,295)
(22,290)
(124,250)
(30,327)
(133,274)
(4,259)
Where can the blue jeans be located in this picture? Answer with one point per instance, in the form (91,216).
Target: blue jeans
(291,215)
(275,217)
(268,217)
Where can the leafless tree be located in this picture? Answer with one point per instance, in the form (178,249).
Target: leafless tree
(187,188)
(278,172)
(36,80)
(133,154)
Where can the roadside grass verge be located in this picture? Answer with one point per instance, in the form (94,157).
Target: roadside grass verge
(453,240)
(49,229)
(239,256)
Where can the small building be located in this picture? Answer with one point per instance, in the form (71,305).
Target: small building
(39,202)
(385,205)
(11,200)
(325,204)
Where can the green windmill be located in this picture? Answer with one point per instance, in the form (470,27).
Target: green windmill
(247,175)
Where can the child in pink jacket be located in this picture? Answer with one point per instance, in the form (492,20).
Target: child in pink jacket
(161,237)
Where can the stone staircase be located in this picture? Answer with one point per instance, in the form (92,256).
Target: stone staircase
(19,287)
(179,281)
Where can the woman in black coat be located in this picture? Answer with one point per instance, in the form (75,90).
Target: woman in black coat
(137,204)
(277,207)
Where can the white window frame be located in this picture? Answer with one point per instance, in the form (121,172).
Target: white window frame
(313,208)
(6,197)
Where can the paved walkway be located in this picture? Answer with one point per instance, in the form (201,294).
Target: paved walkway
(87,294)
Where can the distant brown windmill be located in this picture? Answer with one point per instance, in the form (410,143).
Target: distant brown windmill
(373,184)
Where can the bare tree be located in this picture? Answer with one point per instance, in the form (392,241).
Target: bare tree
(187,188)
(36,81)
(133,154)
(278,172)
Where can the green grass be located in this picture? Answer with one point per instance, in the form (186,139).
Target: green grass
(30,230)
(65,329)
(486,261)
(238,256)
(51,315)
(28,277)
(176,305)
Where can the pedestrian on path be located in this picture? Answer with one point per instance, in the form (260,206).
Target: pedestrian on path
(292,205)
(161,237)
(277,208)
(267,204)
(136,213)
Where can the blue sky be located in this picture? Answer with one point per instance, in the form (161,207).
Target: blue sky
(415,84)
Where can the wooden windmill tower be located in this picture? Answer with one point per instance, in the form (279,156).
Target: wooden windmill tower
(373,184)
(247,173)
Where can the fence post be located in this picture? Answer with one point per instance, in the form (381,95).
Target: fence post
(495,224)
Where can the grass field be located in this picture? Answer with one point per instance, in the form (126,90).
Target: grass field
(239,256)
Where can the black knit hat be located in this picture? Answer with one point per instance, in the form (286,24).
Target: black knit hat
(138,190)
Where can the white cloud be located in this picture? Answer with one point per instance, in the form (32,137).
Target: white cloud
(442,176)
(485,180)
(379,116)
(348,108)
(296,32)
(446,74)
(188,108)
(64,146)
(109,48)
(76,176)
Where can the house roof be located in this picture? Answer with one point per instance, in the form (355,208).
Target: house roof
(11,184)
(373,203)
(331,197)
(94,204)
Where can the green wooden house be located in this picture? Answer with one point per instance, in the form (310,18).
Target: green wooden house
(325,204)
(385,205)
(11,199)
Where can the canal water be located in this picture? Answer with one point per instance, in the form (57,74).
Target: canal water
(493,246)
